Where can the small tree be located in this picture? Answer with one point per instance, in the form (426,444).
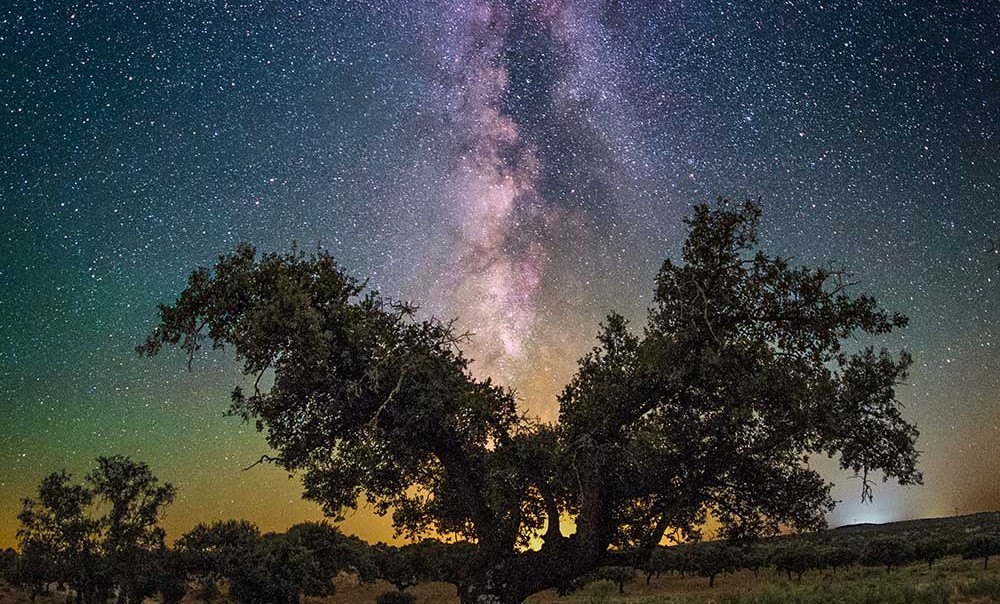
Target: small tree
(889,552)
(838,557)
(619,575)
(132,537)
(434,560)
(276,568)
(981,546)
(59,540)
(396,565)
(713,558)
(752,558)
(218,551)
(171,577)
(334,553)
(64,540)
(930,549)
(659,561)
(795,557)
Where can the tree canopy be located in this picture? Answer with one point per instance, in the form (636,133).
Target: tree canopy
(738,376)
(64,539)
(274,568)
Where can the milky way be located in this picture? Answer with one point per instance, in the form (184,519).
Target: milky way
(522,165)
(505,219)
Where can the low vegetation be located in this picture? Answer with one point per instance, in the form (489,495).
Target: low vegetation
(926,561)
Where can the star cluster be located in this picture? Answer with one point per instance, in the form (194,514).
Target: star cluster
(522,165)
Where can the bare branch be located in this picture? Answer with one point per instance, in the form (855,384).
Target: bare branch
(263,459)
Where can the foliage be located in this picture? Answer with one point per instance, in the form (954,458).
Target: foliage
(838,557)
(64,540)
(132,538)
(930,548)
(8,564)
(982,546)
(396,566)
(274,568)
(739,375)
(334,553)
(796,558)
(889,552)
(60,541)
(712,559)
(751,557)
(216,550)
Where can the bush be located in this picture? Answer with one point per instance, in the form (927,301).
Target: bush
(396,597)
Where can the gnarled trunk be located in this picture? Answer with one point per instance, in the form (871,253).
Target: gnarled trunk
(511,579)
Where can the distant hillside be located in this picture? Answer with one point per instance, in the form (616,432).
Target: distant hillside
(971,523)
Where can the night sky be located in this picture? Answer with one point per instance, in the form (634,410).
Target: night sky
(521,164)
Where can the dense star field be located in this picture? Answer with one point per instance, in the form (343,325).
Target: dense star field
(523,165)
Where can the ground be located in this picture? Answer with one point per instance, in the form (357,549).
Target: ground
(952,580)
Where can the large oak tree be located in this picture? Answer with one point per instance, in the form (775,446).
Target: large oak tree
(738,376)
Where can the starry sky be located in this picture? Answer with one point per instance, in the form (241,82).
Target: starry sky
(523,165)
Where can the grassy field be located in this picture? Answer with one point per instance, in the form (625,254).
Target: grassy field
(951,580)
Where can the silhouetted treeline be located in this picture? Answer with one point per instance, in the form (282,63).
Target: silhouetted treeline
(100,539)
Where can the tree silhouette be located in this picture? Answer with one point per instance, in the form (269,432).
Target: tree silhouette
(275,568)
(63,540)
(795,557)
(889,551)
(396,565)
(218,551)
(838,556)
(737,377)
(982,546)
(712,559)
(396,597)
(930,548)
(59,540)
(334,553)
(132,539)
(8,563)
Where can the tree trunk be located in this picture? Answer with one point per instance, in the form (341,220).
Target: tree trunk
(511,579)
